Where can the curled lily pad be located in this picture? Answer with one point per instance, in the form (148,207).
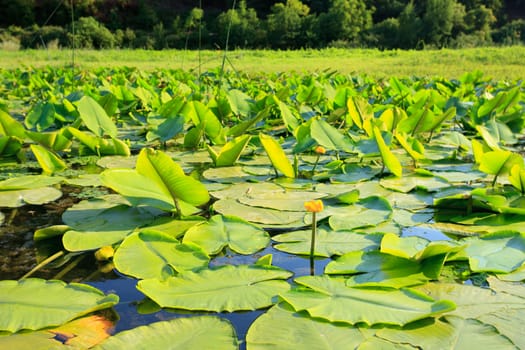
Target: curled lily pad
(35,303)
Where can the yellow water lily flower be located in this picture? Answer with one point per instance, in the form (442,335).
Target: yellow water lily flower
(314,206)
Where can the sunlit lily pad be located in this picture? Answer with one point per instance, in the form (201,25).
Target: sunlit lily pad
(226,288)
(328,242)
(36,303)
(496,252)
(330,298)
(231,174)
(262,216)
(151,254)
(367,212)
(452,332)
(19,197)
(96,223)
(193,333)
(222,231)
(282,328)
(378,269)
(79,334)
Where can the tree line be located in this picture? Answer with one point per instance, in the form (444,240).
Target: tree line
(284,24)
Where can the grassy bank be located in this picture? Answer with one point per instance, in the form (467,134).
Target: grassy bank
(498,63)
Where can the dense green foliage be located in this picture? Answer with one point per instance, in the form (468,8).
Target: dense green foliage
(196,186)
(281,24)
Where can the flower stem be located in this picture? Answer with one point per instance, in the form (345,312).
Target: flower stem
(314,231)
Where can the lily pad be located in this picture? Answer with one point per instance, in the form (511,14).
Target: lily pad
(35,303)
(79,334)
(226,288)
(451,332)
(496,252)
(151,254)
(283,328)
(193,333)
(328,242)
(262,216)
(331,299)
(367,212)
(228,231)
(378,269)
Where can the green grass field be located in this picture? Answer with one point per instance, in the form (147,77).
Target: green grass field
(497,63)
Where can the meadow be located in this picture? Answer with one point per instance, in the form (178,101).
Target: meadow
(499,63)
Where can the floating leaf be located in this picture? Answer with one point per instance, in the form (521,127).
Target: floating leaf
(36,303)
(228,231)
(150,254)
(451,332)
(281,328)
(331,299)
(82,333)
(193,333)
(495,252)
(327,242)
(226,288)
(367,212)
(378,269)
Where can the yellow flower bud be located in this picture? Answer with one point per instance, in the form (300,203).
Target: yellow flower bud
(104,253)
(320,150)
(314,206)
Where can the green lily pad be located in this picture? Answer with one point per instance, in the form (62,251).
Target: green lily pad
(193,333)
(226,288)
(384,270)
(96,223)
(151,254)
(35,303)
(231,174)
(282,328)
(451,332)
(495,252)
(227,231)
(327,243)
(36,196)
(262,216)
(367,212)
(331,299)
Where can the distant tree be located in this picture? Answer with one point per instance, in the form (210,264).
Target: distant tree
(91,34)
(244,30)
(385,9)
(17,12)
(479,21)
(410,28)
(345,21)
(285,24)
(439,19)
(384,35)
